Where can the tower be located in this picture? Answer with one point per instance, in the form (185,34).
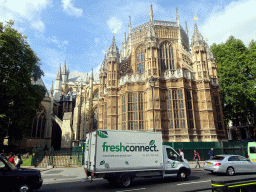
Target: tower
(58,82)
(64,77)
(112,85)
(203,97)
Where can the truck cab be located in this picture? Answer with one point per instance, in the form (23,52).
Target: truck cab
(174,165)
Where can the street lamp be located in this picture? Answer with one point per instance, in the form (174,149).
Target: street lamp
(152,84)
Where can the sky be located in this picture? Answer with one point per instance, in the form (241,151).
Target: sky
(79,31)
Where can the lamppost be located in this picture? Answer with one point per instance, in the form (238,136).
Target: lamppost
(152,84)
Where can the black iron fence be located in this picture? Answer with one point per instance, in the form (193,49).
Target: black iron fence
(37,155)
(189,153)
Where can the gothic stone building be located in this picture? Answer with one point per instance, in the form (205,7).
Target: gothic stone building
(157,82)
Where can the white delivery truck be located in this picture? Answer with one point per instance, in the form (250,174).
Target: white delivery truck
(121,156)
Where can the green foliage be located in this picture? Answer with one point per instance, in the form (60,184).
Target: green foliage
(236,66)
(19,99)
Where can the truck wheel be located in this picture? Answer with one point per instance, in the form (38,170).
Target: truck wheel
(182,175)
(25,188)
(125,180)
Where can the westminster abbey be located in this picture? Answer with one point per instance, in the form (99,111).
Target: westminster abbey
(160,81)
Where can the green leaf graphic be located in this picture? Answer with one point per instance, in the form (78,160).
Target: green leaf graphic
(126,162)
(152,142)
(102,162)
(156,161)
(102,135)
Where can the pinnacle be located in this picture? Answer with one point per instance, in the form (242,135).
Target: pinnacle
(196,35)
(58,76)
(64,71)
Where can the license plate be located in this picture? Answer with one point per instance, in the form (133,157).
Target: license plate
(209,163)
(253,159)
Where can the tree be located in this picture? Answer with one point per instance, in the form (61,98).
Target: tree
(236,66)
(19,98)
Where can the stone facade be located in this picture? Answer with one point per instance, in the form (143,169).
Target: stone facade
(185,92)
(157,82)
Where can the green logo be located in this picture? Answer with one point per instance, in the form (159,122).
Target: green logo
(102,162)
(173,164)
(152,142)
(126,148)
(103,134)
(126,162)
(156,161)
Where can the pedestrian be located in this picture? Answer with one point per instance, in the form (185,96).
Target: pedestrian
(197,158)
(18,161)
(11,159)
(211,153)
(182,155)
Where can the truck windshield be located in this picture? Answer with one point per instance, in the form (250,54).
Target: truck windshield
(9,163)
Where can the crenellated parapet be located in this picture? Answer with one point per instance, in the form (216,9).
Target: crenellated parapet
(179,73)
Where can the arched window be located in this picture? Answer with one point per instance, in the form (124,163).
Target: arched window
(140,59)
(38,129)
(166,56)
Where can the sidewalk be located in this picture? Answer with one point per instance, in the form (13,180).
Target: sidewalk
(57,175)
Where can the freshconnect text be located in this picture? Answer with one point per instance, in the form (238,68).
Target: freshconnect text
(122,148)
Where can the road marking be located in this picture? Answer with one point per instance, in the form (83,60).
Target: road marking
(132,190)
(194,182)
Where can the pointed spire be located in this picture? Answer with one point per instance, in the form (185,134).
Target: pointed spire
(64,71)
(91,77)
(58,76)
(113,48)
(186,27)
(124,36)
(197,37)
(151,15)
(177,16)
(130,25)
(51,90)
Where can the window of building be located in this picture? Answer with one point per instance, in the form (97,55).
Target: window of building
(218,112)
(39,125)
(189,109)
(141,118)
(105,116)
(123,113)
(169,109)
(140,60)
(135,111)
(178,109)
(166,56)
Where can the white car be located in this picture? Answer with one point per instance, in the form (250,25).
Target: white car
(230,164)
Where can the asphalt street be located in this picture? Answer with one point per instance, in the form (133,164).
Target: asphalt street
(198,180)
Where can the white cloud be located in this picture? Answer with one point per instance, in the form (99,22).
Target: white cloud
(69,8)
(237,19)
(58,43)
(114,24)
(25,13)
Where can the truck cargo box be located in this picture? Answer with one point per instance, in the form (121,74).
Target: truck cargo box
(115,151)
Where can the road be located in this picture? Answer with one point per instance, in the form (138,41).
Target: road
(199,179)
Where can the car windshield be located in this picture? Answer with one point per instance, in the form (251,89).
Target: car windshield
(9,163)
(218,158)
